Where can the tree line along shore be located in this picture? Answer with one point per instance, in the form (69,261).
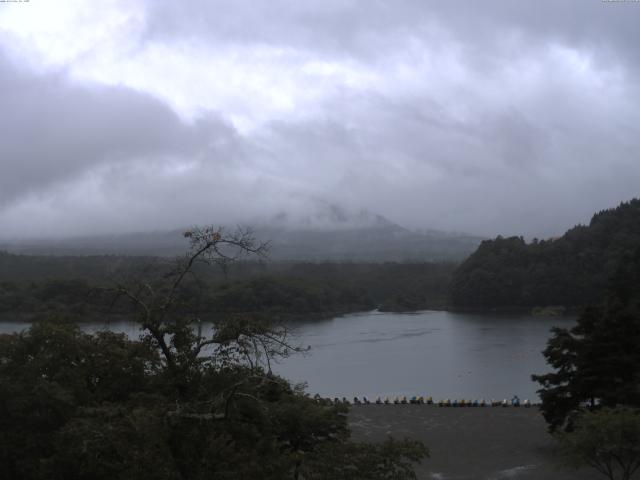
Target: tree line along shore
(547,277)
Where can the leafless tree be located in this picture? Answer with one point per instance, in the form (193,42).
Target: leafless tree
(179,336)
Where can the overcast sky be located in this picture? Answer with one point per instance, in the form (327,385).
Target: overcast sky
(489,117)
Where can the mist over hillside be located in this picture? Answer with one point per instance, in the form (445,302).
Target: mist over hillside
(330,233)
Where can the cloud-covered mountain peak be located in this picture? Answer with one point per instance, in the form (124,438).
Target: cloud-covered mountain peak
(328,216)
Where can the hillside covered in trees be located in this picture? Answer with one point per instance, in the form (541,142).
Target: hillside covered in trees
(570,271)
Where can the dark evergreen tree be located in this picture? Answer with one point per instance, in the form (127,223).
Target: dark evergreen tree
(597,362)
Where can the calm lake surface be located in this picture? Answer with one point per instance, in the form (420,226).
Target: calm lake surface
(443,354)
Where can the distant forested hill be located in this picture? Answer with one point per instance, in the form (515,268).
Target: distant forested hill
(571,270)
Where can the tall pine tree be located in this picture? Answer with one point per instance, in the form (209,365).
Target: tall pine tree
(597,362)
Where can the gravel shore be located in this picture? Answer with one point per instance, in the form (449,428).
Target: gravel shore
(488,443)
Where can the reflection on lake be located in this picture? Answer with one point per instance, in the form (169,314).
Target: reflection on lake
(442,354)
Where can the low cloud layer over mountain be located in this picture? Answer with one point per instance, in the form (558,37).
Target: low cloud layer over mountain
(487,117)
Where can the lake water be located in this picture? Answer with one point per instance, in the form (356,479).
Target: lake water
(443,354)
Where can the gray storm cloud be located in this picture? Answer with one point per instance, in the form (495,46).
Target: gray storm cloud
(487,117)
(80,159)
(368,28)
(54,131)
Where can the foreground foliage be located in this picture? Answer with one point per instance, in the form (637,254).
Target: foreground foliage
(607,440)
(179,403)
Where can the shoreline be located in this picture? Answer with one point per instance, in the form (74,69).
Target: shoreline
(535,311)
(470,443)
(285,317)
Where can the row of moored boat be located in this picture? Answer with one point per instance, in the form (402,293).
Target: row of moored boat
(514,402)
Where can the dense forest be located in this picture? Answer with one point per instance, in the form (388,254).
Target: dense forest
(569,271)
(31,285)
